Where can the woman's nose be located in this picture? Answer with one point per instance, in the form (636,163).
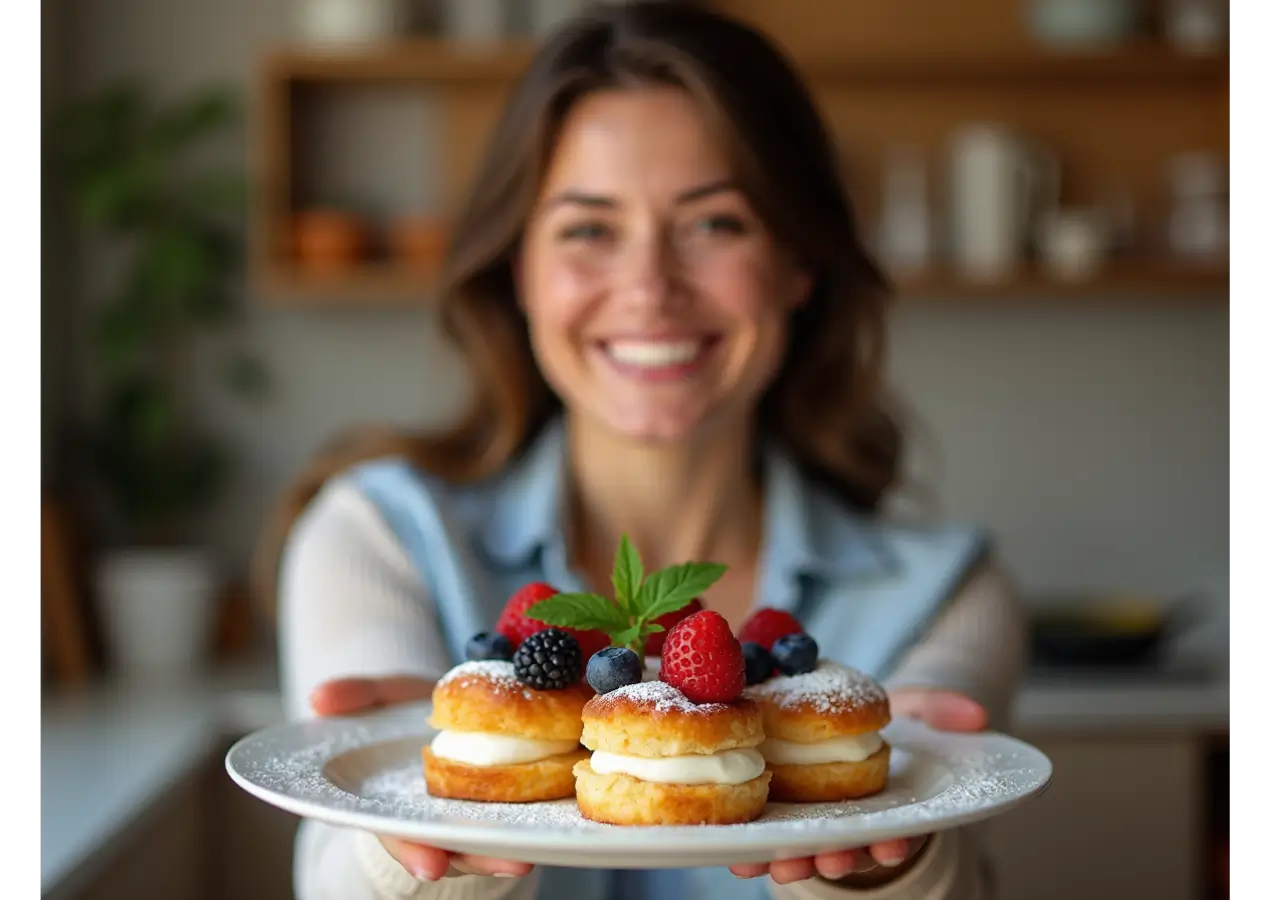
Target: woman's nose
(647,273)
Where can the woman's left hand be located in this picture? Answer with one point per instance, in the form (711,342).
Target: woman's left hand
(943,710)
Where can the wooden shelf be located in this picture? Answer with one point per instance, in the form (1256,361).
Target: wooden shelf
(383,285)
(368,285)
(1150,280)
(432,60)
(883,74)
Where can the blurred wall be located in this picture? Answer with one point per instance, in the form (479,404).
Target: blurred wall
(1093,441)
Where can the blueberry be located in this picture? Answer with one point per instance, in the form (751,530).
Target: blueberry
(758,663)
(613,667)
(489,645)
(796,654)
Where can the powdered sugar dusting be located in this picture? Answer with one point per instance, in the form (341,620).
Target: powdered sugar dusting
(400,793)
(498,672)
(371,768)
(831,688)
(661,696)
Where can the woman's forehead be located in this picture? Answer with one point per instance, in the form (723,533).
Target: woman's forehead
(635,141)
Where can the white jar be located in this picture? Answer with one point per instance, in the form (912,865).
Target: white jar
(475,21)
(349,22)
(1196,26)
(547,15)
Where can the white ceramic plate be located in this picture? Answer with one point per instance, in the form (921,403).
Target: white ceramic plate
(365,772)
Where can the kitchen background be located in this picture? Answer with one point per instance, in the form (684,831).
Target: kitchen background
(1068,375)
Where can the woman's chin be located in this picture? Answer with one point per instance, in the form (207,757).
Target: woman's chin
(659,426)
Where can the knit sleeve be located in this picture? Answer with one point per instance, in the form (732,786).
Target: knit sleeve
(350,604)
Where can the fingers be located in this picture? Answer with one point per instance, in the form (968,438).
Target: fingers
(891,853)
(786,871)
(346,696)
(943,710)
(833,865)
(838,863)
(487,865)
(431,863)
(428,863)
(782,871)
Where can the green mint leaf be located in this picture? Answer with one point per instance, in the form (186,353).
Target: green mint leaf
(668,590)
(626,577)
(631,637)
(587,612)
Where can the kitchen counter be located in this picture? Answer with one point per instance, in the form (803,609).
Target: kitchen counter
(110,753)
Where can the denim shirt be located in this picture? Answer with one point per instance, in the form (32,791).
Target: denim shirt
(867,589)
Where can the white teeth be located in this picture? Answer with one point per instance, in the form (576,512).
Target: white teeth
(653,354)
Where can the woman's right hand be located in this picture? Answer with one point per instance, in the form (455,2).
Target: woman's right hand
(349,696)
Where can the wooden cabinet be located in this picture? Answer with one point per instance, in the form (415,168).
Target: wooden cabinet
(1125,817)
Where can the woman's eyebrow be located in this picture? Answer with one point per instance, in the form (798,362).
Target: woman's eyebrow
(602,201)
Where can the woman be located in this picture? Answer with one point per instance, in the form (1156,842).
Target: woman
(674,333)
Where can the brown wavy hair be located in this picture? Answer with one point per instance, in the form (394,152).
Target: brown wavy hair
(826,403)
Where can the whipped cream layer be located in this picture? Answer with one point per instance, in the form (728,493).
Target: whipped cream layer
(478,749)
(848,748)
(724,767)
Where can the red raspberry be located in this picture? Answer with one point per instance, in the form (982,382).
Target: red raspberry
(768,625)
(703,660)
(515,625)
(655,642)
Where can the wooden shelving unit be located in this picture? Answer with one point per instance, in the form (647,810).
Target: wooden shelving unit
(1113,116)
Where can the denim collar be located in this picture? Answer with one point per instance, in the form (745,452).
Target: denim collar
(806,534)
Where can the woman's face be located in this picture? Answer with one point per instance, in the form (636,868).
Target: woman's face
(657,300)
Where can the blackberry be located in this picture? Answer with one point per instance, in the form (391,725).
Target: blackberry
(489,645)
(548,660)
(613,668)
(758,663)
(796,654)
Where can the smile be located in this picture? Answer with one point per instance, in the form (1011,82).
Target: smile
(661,359)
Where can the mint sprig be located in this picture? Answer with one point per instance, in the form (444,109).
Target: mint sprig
(639,599)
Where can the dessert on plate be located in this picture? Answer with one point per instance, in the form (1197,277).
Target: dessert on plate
(673,745)
(822,719)
(509,723)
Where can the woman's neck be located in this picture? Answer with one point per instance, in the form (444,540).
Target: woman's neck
(677,502)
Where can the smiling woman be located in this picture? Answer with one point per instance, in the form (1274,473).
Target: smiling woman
(674,334)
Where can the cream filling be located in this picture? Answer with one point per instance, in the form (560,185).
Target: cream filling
(723,767)
(477,749)
(848,748)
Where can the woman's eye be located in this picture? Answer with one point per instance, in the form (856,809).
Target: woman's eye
(585,231)
(720,224)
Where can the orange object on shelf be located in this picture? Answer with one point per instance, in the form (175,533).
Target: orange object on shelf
(328,240)
(419,241)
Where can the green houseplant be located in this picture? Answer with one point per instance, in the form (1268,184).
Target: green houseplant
(166,229)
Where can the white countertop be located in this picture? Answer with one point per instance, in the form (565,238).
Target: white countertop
(109,753)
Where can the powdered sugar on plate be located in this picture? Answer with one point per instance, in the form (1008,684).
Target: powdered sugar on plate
(831,688)
(366,773)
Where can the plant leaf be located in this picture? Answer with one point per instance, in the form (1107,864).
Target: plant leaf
(631,637)
(668,590)
(626,577)
(587,612)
